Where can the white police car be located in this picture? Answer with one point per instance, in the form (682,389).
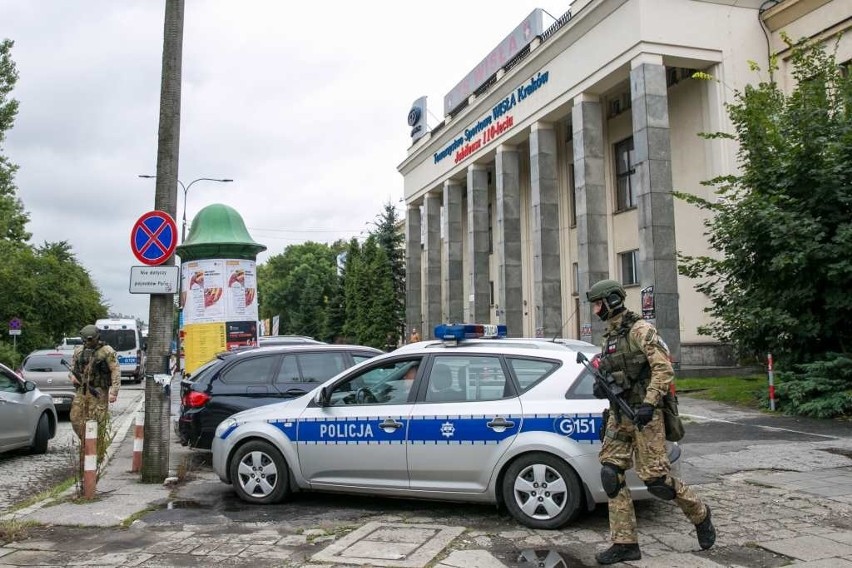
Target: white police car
(505,421)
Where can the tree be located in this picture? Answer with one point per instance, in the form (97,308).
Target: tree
(392,240)
(13,218)
(782,227)
(296,285)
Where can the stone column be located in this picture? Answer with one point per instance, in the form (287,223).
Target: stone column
(454,242)
(413,291)
(508,241)
(591,199)
(477,244)
(432,250)
(547,286)
(657,248)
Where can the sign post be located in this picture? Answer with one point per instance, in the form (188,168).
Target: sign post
(154,238)
(15,331)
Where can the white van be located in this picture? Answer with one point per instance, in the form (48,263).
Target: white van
(125,336)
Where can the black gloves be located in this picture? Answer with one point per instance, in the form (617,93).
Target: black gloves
(598,390)
(644,414)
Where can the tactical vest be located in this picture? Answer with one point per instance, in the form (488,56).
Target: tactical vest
(95,368)
(630,369)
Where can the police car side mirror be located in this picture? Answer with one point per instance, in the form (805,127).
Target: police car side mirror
(322,397)
(581,358)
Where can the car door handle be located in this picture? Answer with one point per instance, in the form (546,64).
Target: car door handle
(294,392)
(500,422)
(391,423)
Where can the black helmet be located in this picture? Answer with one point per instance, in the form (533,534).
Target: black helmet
(611,293)
(89,332)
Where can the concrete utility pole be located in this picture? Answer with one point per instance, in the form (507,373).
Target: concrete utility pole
(155,455)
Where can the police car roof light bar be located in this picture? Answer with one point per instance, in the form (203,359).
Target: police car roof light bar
(462,331)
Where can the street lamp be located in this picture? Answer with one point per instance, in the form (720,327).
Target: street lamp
(185,191)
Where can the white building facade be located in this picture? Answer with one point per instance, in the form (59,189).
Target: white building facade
(559,168)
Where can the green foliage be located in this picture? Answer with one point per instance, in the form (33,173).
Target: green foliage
(296,286)
(743,391)
(822,389)
(43,286)
(13,218)
(364,303)
(782,227)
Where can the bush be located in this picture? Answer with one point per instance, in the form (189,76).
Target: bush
(821,389)
(9,356)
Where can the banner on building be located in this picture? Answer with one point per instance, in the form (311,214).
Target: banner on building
(649,308)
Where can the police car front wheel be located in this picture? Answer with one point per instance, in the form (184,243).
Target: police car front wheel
(259,473)
(542,491)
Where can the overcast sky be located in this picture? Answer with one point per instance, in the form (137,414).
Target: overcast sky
(302,104)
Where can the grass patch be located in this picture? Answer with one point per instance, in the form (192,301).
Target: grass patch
(51,493)
(748,391)
(15,530)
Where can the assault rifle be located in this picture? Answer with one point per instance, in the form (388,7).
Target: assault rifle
(84,383)
(613,391)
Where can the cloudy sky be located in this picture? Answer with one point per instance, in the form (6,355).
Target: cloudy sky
(302,104)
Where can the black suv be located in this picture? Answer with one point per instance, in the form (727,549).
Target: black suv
(247,378)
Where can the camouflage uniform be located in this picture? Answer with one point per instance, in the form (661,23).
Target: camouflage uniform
(623,443)
(99,368)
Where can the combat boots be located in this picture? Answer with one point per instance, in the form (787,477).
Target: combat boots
(619,553)
(706,532)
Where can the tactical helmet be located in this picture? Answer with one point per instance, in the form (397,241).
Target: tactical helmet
(89,332)
(612,295)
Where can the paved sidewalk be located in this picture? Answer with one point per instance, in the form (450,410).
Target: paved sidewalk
(774,504)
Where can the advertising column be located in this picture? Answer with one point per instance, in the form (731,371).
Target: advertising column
(218,286)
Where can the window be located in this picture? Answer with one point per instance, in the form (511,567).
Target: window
(388,383)
(119,339)
(468,378)
(629,267)
(572,196)
(530,371)
(9,383)
(289,371)
(625,159)
(254,371)
(575,275)
(582,387)
(490,231)
(44,364)
(318,367)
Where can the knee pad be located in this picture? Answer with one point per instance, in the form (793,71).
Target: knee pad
(612,479)
(660,489)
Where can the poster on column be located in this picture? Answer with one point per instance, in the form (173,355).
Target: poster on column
(202,342)
(218,290)
(241,291)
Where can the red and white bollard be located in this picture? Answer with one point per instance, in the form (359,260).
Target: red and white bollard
(90,460)
(138,442)
(771,381)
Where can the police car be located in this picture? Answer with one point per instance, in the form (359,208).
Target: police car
(506,421)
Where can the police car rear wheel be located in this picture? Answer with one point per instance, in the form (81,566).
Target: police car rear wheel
(542,491)
(259,473)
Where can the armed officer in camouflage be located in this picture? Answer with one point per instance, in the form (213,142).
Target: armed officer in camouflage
(97,380)
(638,360)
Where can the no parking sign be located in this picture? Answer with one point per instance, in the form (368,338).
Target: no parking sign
(154,238)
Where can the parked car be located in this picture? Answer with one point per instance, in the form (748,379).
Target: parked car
(242,379)
(44,367)
(267,340)
(27,415)
(68,344)
(509,422)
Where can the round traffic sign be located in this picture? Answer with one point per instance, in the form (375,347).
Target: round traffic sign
(154,238)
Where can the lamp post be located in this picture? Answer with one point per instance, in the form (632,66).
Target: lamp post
(185,191)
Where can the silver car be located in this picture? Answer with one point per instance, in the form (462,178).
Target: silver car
(45,369)
(27,416)
(504,421)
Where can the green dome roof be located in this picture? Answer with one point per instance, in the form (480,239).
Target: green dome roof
(218,231)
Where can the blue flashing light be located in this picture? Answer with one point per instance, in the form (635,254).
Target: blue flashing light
(462,331)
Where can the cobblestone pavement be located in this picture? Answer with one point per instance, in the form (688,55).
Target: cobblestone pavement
(780,496)
(25,475)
